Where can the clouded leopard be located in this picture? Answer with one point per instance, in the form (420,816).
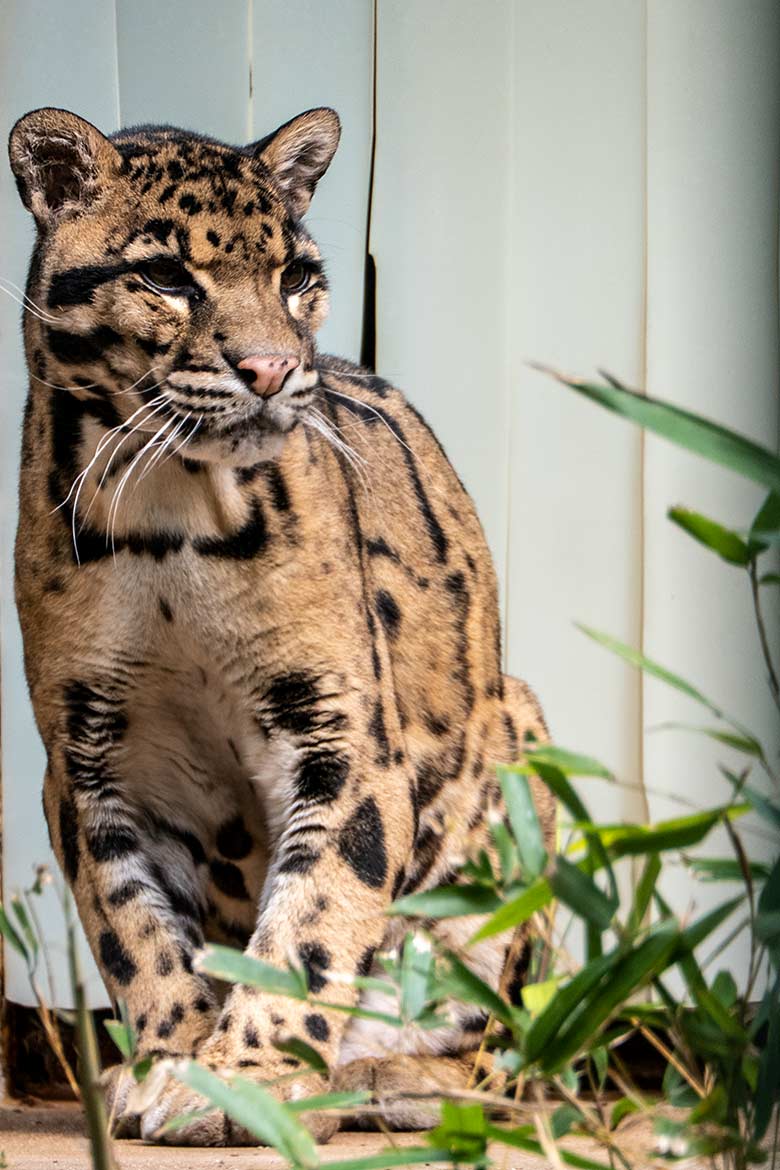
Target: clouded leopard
(260,619)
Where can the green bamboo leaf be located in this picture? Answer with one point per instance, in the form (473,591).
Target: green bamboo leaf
(416,968)
(769,579)
(768,1084)
(456,979)
(622,1108)
(568,762)
(741,743)
(563,1119)
(581,894)
(8,931)
(678,833)
(447,902)
(302,1051)
(564,1003)
(233,966)
(766,808)
(644,892)
(324,1101)
(725,869)
(560,786)
(641,964)
(23,919)
(691,431)
(537,996)
(518,910)
(727,544)
(767,522)
(520,1139)
(255,1109)
(690,938)
(524,820)
(386,1159)
(123,1037)
(635,658)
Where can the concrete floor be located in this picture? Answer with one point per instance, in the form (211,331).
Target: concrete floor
(51,1137)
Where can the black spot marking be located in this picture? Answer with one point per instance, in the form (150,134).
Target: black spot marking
(110,842)
(115,959)
(78,349)
(95,724)
(291,702)
(365,961)
(427,848)
(202,1005)
(140,1023)
(167,1026)
(214,240)
(233,840)
(299,859)
(315,960)
(164,965)
(76,286)
(69,838)
(389,613)
(247,542)
(398,881)
(166,610)
(513,746)
(317,1026)
(229,879)
(126,892)
(321,775)
(277,487)
(251,1038)
(378,731)
(361,843)
(190,204)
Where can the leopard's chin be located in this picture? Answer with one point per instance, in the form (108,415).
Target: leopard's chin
(244,445)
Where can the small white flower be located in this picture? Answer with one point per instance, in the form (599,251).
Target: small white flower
(421,944)
(662,1144)
(679,1146)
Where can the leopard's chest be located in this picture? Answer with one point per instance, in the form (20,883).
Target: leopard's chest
(194,758)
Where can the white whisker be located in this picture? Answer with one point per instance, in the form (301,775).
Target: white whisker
(383,420)
(118,490)
(36,312)
(100,447)
(323,427)
(157,408)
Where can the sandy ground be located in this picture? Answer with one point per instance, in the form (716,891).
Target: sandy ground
(51,1137)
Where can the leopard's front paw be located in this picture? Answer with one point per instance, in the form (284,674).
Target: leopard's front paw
(118,1083)
(169,1099)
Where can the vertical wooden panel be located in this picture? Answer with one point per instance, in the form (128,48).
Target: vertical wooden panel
(440,230)
(713,112)
(45,59)
(186,62)
(577,303)
(309,53)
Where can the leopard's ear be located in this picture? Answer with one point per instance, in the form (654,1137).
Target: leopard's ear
(61,162)
(299,153)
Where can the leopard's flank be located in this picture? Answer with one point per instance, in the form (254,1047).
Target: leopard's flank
(260,620)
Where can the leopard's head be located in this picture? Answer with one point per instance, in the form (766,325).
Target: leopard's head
(173,282)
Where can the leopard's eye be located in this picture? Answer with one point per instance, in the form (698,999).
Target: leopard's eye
(296,278)
(167,276)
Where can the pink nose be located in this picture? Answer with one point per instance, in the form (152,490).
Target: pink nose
(269,371)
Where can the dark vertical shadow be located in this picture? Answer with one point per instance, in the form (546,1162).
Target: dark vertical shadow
(368,333)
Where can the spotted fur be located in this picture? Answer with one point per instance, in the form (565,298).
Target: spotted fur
(261,631)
